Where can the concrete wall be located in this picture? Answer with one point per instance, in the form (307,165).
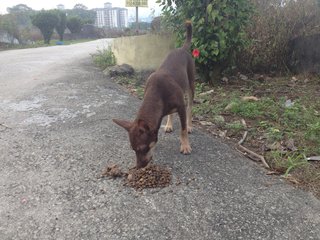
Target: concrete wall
(142,52)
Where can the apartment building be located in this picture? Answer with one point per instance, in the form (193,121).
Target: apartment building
(111,17)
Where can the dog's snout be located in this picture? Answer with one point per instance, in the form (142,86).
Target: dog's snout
(143,160)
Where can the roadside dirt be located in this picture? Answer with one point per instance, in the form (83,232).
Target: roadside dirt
(303,89)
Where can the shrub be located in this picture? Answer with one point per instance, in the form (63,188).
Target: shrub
(219,30)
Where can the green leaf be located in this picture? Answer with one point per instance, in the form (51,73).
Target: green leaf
(209,8)
(215,52)
(214,14)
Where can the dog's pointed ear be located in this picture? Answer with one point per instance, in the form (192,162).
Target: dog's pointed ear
(123,123)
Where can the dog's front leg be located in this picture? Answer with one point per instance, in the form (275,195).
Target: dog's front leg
(184,138)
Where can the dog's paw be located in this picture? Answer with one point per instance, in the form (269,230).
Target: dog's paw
(190,129)
(168,129)
(185,149)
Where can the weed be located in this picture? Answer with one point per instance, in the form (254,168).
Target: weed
(246,109)
(294,161)
(274,134)
(200,87)
(235,126)
(289,162)
(140,92)
(264,125)
(104,58)
(313,132)
(123,80)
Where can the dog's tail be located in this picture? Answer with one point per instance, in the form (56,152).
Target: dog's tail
(187,43)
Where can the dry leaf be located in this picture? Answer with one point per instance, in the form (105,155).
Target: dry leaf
(250,98)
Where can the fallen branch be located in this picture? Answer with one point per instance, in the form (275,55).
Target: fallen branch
(254,154)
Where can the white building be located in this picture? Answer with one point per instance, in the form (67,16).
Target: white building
(110,17)
(60,6)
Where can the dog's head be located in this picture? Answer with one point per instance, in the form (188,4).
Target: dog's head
(142,139)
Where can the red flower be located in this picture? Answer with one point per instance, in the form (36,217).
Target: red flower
(196,53)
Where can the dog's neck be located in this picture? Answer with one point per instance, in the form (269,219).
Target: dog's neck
(151,112)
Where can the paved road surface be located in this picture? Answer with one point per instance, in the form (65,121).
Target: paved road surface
(56,137)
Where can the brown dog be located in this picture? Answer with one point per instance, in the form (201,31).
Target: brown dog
(168,90)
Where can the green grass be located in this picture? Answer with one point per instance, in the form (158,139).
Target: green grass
(270,119)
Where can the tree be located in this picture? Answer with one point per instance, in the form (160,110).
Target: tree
(22,14)
(9,24)
(74,24)
(82,12)
(62,24)
(219,30)
(46,21)
(19,8)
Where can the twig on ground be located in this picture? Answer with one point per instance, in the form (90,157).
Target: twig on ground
(243,137)
(243,122)
(254,155)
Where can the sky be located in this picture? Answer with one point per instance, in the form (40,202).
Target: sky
(41,4)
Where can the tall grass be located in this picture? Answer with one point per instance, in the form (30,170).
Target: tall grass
(273,25)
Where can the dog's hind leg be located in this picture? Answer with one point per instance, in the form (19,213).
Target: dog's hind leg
(184,138)
(168,128)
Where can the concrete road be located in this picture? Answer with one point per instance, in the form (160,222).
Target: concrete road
(56,137)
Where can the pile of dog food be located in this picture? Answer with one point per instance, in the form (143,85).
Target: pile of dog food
(151,176)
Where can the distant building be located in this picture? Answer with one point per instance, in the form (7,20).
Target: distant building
(60,6)
(110,17)
(108,5)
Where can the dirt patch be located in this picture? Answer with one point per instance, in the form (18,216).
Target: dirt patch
(151,176)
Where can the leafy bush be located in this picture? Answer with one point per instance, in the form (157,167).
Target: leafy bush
(104,58)
(219,30)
